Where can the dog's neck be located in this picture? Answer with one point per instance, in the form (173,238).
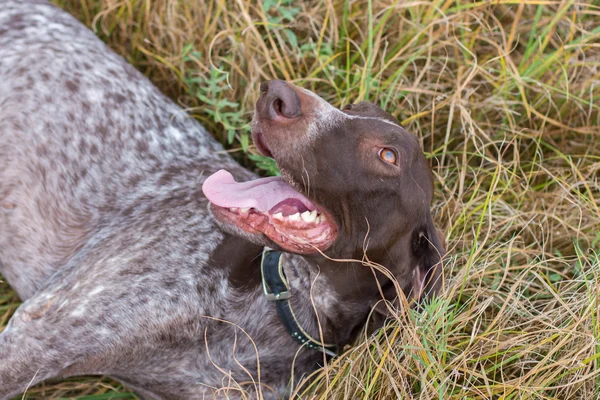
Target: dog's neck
(327,308)
(330,300)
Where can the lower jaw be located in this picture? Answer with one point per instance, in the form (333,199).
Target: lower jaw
(291,240)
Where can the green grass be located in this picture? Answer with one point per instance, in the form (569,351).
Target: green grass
(505,99)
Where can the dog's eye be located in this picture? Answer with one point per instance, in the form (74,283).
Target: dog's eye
(388,155)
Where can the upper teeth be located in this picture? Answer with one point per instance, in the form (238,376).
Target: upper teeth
(306,216)
(294,217)
(309,216)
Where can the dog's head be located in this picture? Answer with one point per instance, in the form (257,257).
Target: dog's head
(352,180)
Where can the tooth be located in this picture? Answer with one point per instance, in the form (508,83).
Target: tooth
(278,216)
(308,216)
(305,216)
(233,209)
(244,210)
(294,217)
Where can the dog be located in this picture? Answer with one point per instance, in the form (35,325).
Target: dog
(144,252)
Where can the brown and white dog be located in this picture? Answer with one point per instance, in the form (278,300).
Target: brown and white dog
(107,235)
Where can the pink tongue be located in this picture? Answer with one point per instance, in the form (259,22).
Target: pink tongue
(262,194)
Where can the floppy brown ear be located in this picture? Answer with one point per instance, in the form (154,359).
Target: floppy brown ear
(431,260)
(428,247)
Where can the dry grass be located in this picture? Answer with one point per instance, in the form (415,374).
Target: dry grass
(505,97)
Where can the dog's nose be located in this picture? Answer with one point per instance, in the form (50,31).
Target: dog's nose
(281,100)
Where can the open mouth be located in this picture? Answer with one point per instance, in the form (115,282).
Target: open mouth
(272,207)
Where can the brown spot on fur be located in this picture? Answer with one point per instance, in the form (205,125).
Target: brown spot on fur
(29,315)
(8,205)
(72,86)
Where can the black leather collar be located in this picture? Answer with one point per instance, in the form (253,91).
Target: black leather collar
(276,288)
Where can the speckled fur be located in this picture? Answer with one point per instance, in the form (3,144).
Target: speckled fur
(105,233)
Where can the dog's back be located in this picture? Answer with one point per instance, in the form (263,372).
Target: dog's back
(83,137)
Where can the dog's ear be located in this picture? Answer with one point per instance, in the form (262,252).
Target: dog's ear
(428,247)
(431,254)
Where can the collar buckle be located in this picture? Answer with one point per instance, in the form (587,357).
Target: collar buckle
(276,296)
(275,286)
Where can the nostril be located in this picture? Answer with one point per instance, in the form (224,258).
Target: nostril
(278,106)
(279,99)
(286,107)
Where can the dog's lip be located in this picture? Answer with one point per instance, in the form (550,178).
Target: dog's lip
(272,220)
(320,207)
(287,238)
(260,143)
